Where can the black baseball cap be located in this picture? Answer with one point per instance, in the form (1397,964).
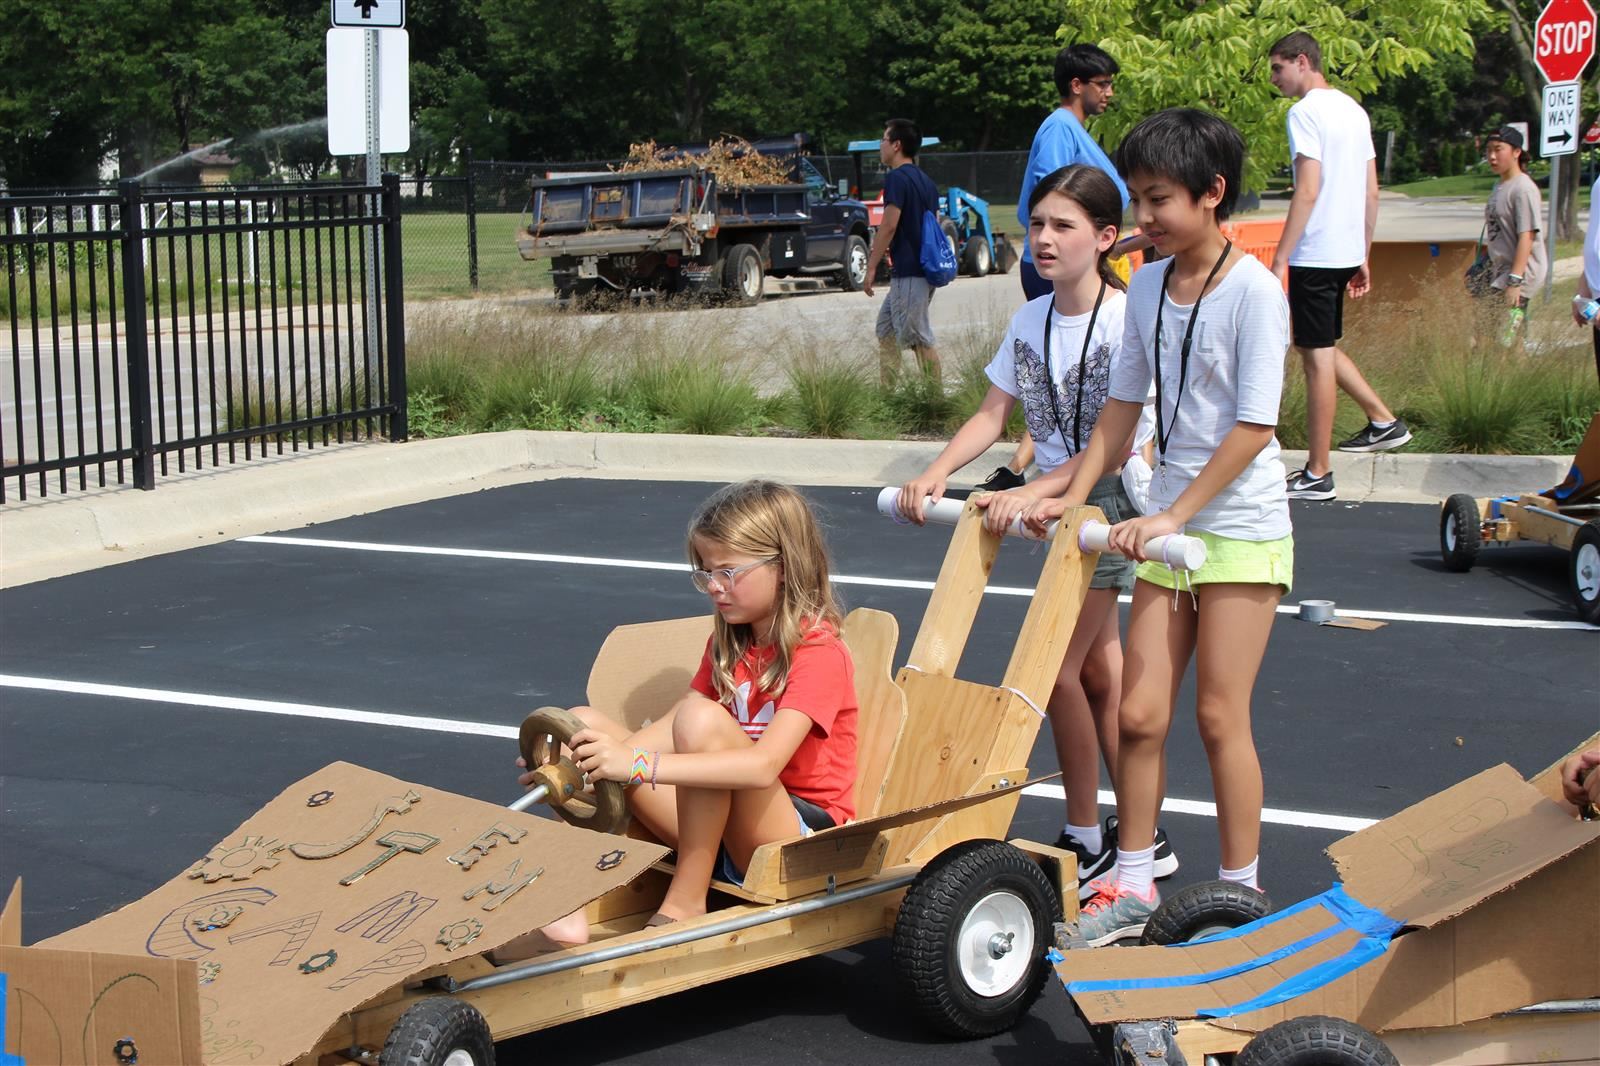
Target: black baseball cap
(1509,135)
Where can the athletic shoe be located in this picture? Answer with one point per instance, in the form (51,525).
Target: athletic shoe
(1302,486)
(1166,858)
(1373,439)
(1113,913)
(1091,865)
(1003,478)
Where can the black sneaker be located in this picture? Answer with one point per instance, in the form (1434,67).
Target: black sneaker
(1373,439)
(1091,865)
(1003,478)
(1302,486)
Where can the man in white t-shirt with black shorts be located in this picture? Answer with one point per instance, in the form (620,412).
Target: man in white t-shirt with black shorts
(1323,253)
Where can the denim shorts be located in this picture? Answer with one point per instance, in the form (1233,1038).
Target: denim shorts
(1112,571)
(811,818)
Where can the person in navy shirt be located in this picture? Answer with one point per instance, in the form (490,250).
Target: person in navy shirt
(908,193)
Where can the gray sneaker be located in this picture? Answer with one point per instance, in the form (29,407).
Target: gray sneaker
(1115,914)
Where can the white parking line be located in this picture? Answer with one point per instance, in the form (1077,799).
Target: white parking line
(1303,819)
(876,582)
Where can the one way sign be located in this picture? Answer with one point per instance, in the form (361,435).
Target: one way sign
(1558,134)
(369,14)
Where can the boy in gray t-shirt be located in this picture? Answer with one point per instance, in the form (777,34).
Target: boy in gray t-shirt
(1511,220)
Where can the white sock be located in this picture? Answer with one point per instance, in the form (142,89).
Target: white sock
(1382,425)
(1136,870)
(1087,835)
(1244,875)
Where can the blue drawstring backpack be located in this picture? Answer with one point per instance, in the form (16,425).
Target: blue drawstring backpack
(937,258)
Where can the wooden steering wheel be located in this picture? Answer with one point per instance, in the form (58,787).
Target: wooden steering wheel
(543,733)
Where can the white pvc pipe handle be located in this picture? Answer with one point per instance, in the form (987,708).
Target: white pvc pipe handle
(1175,550)
(945,513)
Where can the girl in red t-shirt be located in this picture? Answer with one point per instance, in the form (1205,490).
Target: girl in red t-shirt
(763,746)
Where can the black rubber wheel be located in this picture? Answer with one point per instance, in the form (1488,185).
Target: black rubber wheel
(971,935)
(742,277)
(1460,532)
(439,1031)
(953,235)
(853,267)
(1200,910)
(976,258)
(1583,571)
(1315,1041)
(1005,256)
(571,288)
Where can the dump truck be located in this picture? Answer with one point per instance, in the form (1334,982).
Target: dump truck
(684,231)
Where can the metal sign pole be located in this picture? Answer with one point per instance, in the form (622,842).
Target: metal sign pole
(1550,228)
(374,178)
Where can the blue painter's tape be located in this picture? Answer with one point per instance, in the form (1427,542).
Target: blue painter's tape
(1363,952)
(6,1060)
(1494,506)
(1375,928)
(1053,956)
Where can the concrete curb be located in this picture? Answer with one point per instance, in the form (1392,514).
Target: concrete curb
(58,535)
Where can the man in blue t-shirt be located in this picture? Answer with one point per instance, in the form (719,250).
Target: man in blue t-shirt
(908,194)
(1084,77)
(1084,80)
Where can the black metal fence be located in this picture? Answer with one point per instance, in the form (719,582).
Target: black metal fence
(153,330)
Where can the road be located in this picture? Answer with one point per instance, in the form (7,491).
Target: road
(149,708)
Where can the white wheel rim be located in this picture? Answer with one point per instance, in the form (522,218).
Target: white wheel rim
(1586,572)
(1208,930)
(984,258)
(995,945)
(460,1057)
(750,277)
(858,264)
(1450,533)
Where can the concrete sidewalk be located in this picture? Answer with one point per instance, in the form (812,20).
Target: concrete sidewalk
(77,531)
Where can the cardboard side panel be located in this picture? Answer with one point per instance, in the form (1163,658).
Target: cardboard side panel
(347,884)
(73,1007)
(1538,942)
(1456,848)
(11,918)
(642,670)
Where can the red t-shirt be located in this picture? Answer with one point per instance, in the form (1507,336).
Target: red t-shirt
(822,686)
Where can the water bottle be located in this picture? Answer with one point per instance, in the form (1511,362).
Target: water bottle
(1514,318)
(1585,307)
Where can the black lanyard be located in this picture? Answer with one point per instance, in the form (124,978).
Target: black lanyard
(1163,431)
(1083,362)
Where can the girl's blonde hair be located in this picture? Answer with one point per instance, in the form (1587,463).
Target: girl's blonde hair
(766,518)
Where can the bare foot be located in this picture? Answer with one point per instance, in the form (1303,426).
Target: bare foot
(559,935)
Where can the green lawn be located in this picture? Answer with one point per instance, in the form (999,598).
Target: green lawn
(1477,186)
(435,248)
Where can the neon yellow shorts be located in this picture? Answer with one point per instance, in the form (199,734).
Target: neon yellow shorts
(1230,561)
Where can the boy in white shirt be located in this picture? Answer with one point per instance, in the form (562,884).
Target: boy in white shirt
(1322,253)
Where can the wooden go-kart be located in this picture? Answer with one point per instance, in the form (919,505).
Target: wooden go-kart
(941,765)
(1567,516)
(261,952)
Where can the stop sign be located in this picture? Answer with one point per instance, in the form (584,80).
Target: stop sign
(1563,39)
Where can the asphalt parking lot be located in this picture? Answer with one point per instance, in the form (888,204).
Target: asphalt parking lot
(148,708)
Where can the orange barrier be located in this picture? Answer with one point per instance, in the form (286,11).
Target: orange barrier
(1259,239)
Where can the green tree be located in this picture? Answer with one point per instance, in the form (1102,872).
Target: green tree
(976,72)
(1213,55)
